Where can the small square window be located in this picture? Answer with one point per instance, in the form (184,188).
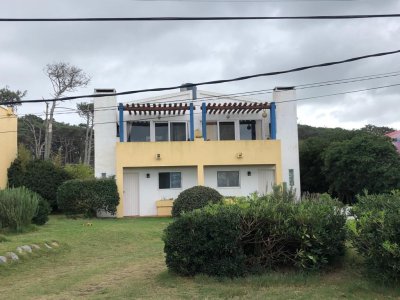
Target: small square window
(169,180)
(228,179)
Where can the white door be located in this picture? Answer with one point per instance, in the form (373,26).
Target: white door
(266,180)
(131,194)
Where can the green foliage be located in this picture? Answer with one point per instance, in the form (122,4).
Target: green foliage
(3,238)
(42,215)
(312,150)
(6,95)
(205,241)
(42,177)
(269,232)
(193,198)
(88,196)
(376,234)
(68,139)
(364,162)
(79,171)
(17,207)
(377,130)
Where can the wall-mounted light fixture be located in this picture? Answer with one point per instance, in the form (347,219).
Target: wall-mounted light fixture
(158,156)
(148,175)
(228,116)
(264,113)
(239,155)
(248,173)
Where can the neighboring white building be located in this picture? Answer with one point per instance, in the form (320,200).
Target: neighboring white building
(157,147)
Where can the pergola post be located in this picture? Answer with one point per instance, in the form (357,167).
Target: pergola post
(273,120)
(191,109)
(121,122)
(204,120)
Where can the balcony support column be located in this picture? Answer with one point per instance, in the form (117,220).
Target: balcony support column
(273,121)
(121,122)
(204,120)
(191,108)
(200,174)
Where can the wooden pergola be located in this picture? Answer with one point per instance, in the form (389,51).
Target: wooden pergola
(236,108)
(149,109)
(181,108)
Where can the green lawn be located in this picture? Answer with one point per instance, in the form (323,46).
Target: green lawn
(120,259)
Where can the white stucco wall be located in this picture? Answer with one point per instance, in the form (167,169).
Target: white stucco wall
(286,131)
(248,184)
(149,191)
(105,120)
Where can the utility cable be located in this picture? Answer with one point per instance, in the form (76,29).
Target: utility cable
(163,19)
(213,81)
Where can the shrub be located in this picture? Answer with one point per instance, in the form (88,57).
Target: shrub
(88,196)
(376,234)
(3,238)
(42,215)
(205,241)
(17,207)
(79,171)
(193,198)
(264,233)
(42,177)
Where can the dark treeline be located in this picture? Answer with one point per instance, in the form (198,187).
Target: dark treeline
(68,145)
(345,163)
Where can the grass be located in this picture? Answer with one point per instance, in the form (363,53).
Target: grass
(122,259)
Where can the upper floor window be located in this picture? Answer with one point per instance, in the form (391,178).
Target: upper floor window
(139,131)
(178,131)
(161,131)
(226,131)
(247,130)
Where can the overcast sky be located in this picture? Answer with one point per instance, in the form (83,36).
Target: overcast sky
(131,55)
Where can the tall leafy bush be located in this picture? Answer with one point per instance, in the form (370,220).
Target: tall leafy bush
(265,233)
(88,196)
(376,235)
(79,171)
(17,207)
(42,177)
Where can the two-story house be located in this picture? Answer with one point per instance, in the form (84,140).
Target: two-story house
(158,147)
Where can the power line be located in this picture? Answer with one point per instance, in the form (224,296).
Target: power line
(163,19)
(284,101)
(213,81)
(240,94)
(243,1)
(277,103)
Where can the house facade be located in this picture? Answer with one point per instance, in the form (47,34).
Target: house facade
(8,131)
(157,147)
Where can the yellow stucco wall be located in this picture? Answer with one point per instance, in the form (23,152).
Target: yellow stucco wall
(8,142)
(199,153)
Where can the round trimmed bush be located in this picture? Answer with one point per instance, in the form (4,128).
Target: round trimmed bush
(193,198)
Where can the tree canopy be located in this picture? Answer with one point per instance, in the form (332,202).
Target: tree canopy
(345,162)
(7,95)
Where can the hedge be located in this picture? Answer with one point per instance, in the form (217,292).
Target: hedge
(42,177)
(87,197)
(250,237)
(376,234)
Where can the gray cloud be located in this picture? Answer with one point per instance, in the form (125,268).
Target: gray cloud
(130,56)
